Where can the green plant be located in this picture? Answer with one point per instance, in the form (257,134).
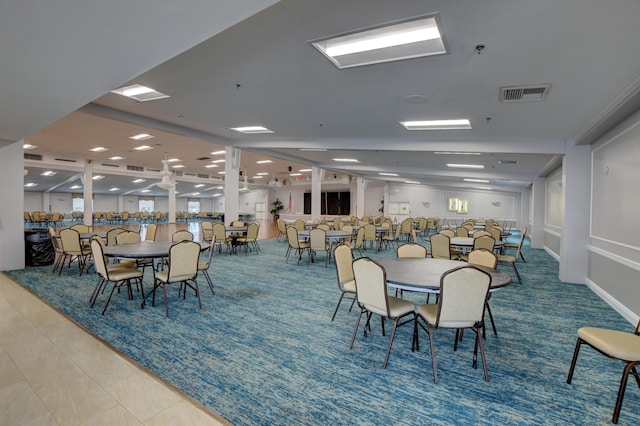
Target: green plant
(381,209)
(277,208)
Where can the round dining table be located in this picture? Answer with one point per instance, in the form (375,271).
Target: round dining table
(144,249)
(423,274)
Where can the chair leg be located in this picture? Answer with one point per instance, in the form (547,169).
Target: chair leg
(355,330)
(479,341)
(208,278)
(516,271)
(337,306)
(574,359)
(432,347)
(493,324)
(393,334)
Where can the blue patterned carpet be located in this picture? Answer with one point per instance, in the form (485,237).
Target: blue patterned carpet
(264,350)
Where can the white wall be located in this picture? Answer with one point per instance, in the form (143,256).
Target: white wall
(11,208)
(553,213)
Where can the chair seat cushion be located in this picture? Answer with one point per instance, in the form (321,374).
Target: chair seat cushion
(430,314)
(203,265)
(503,258)
(399,307)
(618,344)
(124,274)
(350,286)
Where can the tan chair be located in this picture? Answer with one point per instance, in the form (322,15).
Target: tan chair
(203,266)
(495,233)
(441,248)
(119,276)
(513,259)
(295,244)
(448,232)
(479,234)
(487,258)
(337,223)
(412,250)
(325,227)
(463,295)
(370,235)
(282,230)
(371,292)
(358,241)
(57,249)
(112,234)
(181,235)
(183,269)
(299,224)
(220,237)
(516,246)
(150,235)
(405,228)
(343,257)
(461,231)
(73,249)
(81,228)
(207,231)
(317,243)
(484,242)
(617,345)
(128,237)
(251,238)
(393,237)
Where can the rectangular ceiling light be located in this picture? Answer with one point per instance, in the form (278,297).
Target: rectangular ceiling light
(138,180)
(465,166)
(264,162)
(252,129)
(437,124)
(456,153)
(476,180)
(387,174)
(143,148)
(384,43)
(140,93)
(141,137)
(99,149)
(346,160)
(218,152)
(48,173)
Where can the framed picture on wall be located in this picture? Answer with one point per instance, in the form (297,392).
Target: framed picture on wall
(393,208)
(462,206)
(453,204)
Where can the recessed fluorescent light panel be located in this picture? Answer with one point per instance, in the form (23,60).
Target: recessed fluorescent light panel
(411,181)
(252,129)
(178,166)
(143,148)
(304,170)
(218,152)
(98,177)
(116,158)
(384,43)
(263,174)
(200,185)
(48,173)
(346,160)
(99,149)
(465,166)
(387,174)
(28,146)
(476,180)
(264,162)
(222,160)
(114,189)
(75,187)
(146,190)
(208,166)
(140,93)
(462,123)
(30,184)
(138,180)
(313,149)
(141,137)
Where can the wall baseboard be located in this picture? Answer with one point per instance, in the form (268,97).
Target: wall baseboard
(614,303)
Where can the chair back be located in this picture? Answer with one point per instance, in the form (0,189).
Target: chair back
(440,247)
(461,231)
(357,244)
(151,232)
(112,234)
(81,228)
(524,233)
(183,260)
(317,239)
(292,237)
(371,286)
(483,257)
(448,232)
(207,231)
(128,237)
(70,240)
(323,226)
(407,226)
(343,257)
(237,223)
(463,295)
(209,256)
(99,260)
(412,250)
(252,231)
(369,232)
(485,242)
(479,234)
(282,226)
(181,235)
(494,232)
(299,224)
(220,232)
(337,223)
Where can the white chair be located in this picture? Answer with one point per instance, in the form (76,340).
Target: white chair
(317,243)
(343,258)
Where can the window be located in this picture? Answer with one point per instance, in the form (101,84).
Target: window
(77,205)
(331,203)
(146,205)
(193,206)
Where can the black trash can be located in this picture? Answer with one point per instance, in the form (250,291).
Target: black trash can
(38,249)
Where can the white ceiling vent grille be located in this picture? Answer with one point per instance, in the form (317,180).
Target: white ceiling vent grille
(524,93)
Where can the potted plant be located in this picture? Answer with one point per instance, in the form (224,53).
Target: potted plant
(277,207)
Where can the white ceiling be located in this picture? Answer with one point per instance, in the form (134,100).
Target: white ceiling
(262,70)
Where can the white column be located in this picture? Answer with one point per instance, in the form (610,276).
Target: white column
(46,202)
(12,207)
(171,218)
(385,197)
(317,175)
(576,183)
(536,233)
(361,185)
(87,190)
(231,184)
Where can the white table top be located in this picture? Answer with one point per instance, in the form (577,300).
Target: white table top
(467,242)
(332,233)
(423,275)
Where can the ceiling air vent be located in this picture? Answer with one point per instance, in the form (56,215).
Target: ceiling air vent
(201,176)
(109,165)
(508,161)
(190,174)
(178,173)
(524,93)
(135,168)
(203,158)
(36,157)
(66,160)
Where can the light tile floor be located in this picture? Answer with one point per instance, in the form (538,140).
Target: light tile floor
(54,373)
